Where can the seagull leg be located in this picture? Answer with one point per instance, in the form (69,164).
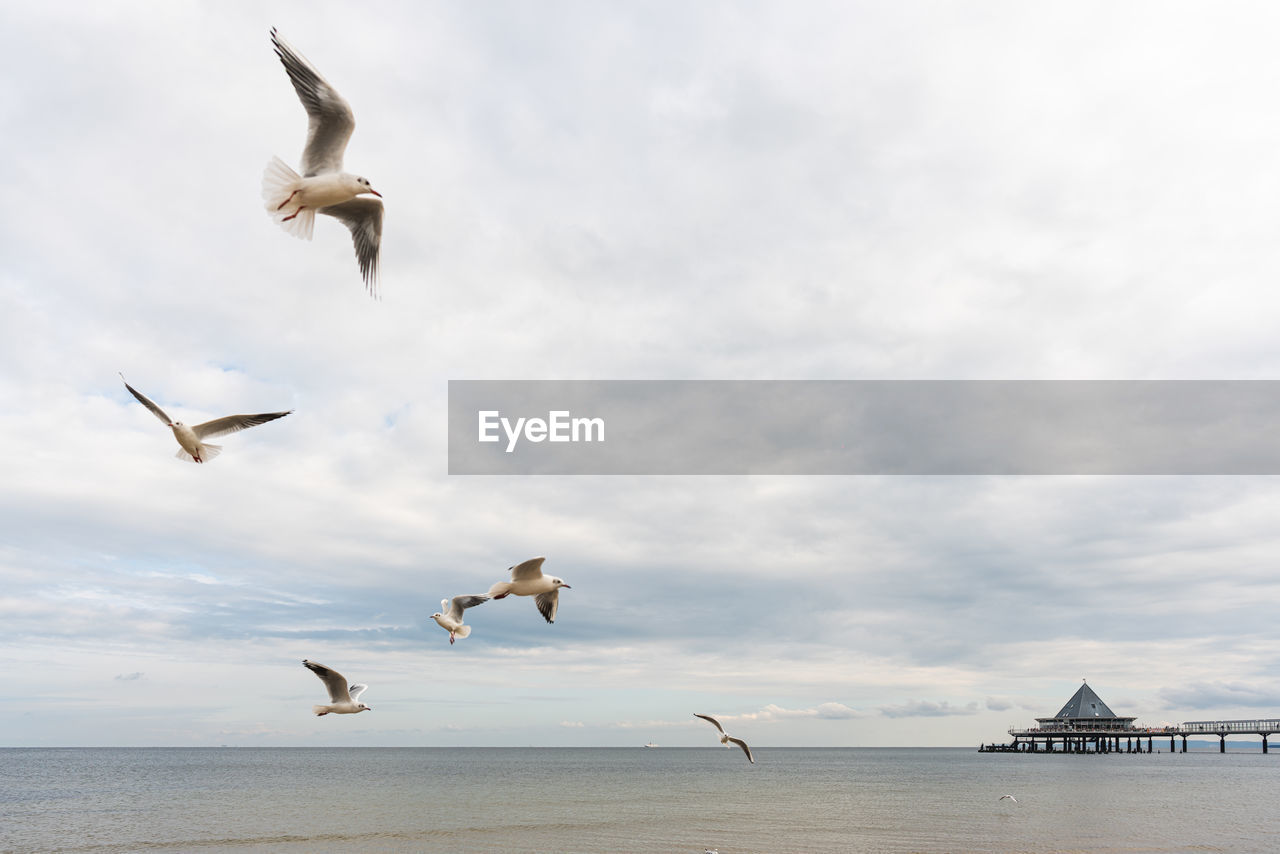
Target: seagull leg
(292,215)
(450,638)
(286,201)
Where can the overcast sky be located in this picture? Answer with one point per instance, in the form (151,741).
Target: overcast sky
(579,190)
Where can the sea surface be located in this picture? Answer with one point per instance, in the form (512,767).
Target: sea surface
(633,800)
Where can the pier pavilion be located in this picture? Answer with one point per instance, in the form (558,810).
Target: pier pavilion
(1087,725)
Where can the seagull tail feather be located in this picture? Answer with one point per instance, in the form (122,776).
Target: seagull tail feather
(462,632)
(319,710)
(279,182)
(207,452)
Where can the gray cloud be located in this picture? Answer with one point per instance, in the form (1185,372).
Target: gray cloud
(927,709)
(1222,695)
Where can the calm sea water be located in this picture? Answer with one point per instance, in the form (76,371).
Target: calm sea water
(632,800)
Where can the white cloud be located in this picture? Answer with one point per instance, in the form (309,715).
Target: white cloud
(822,711)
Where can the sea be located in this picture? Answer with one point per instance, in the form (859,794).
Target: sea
(792,800)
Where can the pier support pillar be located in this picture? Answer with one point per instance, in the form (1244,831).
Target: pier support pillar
(1129,747)
(1184,744)
(1222,744)
(1264,744)
(1149,750)
(1172,747)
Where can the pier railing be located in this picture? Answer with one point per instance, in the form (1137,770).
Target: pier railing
(1215,727)
(1262,726)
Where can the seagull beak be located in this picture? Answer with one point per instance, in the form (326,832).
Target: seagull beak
(375,192)
(567,587)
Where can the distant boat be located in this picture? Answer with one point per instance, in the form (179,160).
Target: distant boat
(651,744)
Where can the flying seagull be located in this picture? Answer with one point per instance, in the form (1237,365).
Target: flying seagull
(450,615)
(292,199)
(527,580)
(727,739)
(1010,797)
(342,699)
(192,438)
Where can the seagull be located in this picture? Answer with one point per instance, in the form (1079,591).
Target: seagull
(527,580)
(727,739)
(450,614)
(342,698)
(192,439)
(292,199)
(1010,797)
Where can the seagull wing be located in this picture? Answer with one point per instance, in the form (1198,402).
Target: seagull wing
(145,401)
(530,569)
(332,679)
(356,690)
(330,120)
(745,749)
(234,424)
(715,723)
(364,217)
(547,604)
(458,604)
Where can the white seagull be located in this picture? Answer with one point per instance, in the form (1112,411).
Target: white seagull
(727,739)
(1010,797)
(449,617)
(341,696)
(293,199)
(192,439)
(527,580)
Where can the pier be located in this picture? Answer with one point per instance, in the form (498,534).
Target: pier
(1087,725)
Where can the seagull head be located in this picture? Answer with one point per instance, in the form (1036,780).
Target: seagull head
(366,187)
(559,583)
(363,708)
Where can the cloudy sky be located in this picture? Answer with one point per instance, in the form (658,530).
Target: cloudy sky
(576,190)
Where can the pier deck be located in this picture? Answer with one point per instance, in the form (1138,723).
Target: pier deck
(1082,737)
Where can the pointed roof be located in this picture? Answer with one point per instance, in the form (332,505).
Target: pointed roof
(1085,711)
(1085,704)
